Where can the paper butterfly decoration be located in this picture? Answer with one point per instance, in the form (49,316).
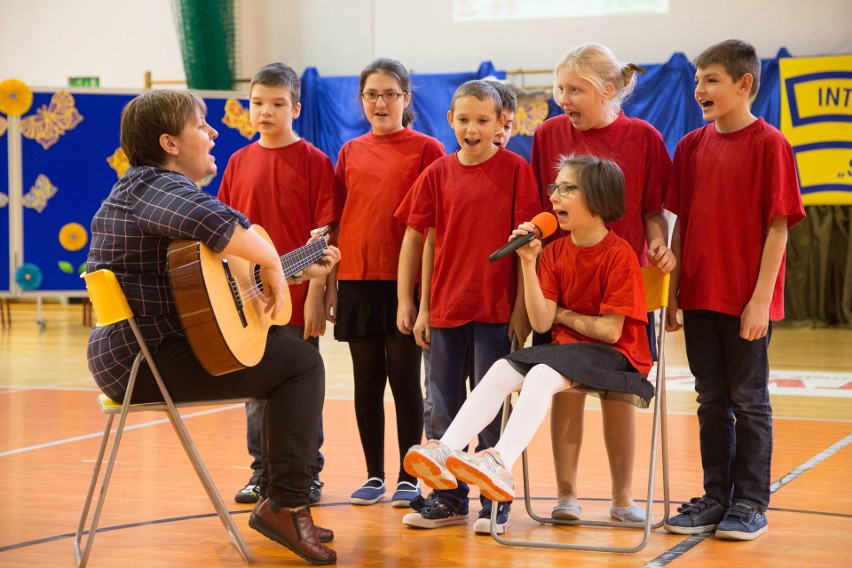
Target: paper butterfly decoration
(528,118)
(39,194)
(4,199)
(51,122)
(237,118)
(2,126)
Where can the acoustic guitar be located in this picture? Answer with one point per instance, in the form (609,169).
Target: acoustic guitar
(219,299)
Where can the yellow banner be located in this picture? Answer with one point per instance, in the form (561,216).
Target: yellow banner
(816,117)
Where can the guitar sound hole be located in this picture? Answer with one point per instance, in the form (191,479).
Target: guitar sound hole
(257,281)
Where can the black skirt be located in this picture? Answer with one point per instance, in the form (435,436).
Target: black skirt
(601,370)
(366,311)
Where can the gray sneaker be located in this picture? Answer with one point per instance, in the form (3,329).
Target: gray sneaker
(743,520)
(700,515)
(486,470)
(428,462)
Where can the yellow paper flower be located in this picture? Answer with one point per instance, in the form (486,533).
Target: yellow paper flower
(16,98)
(119,162)
(73,236)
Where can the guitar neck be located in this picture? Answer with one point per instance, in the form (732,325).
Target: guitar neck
(295,261)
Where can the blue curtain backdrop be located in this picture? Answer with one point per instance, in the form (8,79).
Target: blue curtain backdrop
(332,113)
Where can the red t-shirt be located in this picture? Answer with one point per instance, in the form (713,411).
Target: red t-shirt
(375,173)
(473,210)
(288,191)
(724,189)
(596,280)
(633,144)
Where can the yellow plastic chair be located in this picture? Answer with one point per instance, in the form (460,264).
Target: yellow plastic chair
(110,306)
(656,298)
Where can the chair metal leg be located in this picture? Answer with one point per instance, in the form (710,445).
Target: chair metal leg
(82,555)
(659,439)
(193,455)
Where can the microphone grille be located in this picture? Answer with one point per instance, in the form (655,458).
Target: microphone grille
(546,223)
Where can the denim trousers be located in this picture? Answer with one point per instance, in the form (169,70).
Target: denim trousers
(734,414)
(254,420)
(458,353)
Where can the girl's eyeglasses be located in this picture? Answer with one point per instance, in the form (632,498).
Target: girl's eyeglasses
(563,188)
(389,97)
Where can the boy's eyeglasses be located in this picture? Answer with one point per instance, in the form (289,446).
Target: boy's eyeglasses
(563,188)
(389,97)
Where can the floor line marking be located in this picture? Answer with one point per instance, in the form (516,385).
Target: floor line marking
(126,429)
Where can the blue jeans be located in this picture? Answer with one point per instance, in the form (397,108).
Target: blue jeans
(459,352)
(254,421)
(734,415)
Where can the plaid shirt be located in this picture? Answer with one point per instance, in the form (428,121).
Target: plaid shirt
(131,233)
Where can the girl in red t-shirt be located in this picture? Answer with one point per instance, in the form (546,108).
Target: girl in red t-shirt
(589,289)
(590,86)
(375,171)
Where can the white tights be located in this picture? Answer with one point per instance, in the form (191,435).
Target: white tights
(483,403)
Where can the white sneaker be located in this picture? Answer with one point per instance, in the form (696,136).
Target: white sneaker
(486,470)
(428,462)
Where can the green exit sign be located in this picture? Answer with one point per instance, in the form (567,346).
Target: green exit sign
(84,81)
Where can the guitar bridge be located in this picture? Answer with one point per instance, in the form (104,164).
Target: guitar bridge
(235,292)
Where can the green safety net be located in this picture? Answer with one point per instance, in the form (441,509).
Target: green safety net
(206,33)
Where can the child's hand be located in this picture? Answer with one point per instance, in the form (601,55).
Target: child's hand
(422,332)
(314,314)
(529,252)
(663,258)
(672,323)
(330,304)
(406,315)
(754,321)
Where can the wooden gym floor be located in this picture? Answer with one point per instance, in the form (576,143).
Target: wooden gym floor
(158,515)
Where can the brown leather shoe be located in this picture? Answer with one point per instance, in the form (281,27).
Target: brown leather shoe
(295,530)
(324,534)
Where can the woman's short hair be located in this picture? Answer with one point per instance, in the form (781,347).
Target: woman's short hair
(152,114)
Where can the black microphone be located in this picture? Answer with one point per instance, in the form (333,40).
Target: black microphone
(545,224)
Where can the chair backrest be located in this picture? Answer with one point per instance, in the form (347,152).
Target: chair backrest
(108,299)
(656,287)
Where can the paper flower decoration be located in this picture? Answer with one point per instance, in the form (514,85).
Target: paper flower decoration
(73,236)
(16,98)
(238,118)
(119,162)
(28,276)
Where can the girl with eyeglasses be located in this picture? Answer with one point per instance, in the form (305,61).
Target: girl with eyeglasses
(590,87)
(375,171)
(593,278)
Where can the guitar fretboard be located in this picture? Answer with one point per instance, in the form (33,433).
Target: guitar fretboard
(299,259)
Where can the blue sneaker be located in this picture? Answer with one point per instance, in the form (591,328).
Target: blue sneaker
(700,515)
(483,523)
(369,493)
(743,521)
(405,493)
(438,512)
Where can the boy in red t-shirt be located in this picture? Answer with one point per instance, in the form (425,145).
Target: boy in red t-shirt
(469,201)
(410,255)
(287,186)
(735,192)
(589,289)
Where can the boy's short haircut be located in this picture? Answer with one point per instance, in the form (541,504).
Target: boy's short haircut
(278,75)
(508,98)
(601,182)
(152,114)
(736,56)
(480,90)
